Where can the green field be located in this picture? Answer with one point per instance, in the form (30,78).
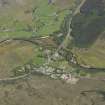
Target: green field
(33,18)
(26,19)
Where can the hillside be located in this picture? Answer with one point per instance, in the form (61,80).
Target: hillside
(52,52)
(25,27)
(32,17)
(88,32)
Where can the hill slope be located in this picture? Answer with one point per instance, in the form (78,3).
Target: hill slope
(32,17)
(88,31)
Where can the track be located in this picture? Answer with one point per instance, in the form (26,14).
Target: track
(63,45)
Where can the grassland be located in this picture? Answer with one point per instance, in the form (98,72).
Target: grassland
(93,56)
(40,90)
(88,31)
(34,17)
(25,19)
(14,54)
